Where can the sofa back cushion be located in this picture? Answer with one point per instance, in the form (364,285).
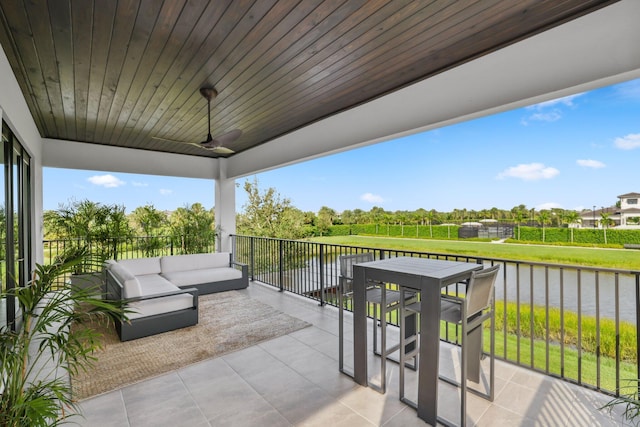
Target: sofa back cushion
(130,284)
(194,262)
(142,266)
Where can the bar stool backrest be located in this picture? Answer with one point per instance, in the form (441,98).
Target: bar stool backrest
(346,268)
(480,289)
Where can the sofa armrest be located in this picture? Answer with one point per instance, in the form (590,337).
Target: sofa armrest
(243,267)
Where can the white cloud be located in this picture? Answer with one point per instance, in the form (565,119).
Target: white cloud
(107,181)
(139,184)
(628,90)
(628,142)
(549,111)
(372,198)
(529,172)
(588,163)
(165,191)
(566,101)
(548,205)
(550,116)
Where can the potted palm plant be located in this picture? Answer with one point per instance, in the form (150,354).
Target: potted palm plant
(628,400)
(45,345)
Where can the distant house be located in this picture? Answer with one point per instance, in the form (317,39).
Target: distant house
(626,215)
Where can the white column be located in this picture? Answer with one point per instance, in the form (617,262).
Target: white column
(225,208)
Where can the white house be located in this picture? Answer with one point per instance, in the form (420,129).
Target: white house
(626,213)
(629,210)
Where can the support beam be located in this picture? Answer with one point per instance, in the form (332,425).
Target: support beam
(225,208)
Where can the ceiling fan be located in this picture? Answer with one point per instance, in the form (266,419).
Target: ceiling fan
(220,143)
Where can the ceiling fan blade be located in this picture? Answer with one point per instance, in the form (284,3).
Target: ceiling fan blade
(228,137)
(199,145)
(221,150)
(217,144)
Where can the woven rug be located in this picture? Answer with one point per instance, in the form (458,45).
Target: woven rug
(228,321)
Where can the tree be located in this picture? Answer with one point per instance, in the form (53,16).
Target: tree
(605,221)
(543,219)
(267,214)
(571,217)
(325,219)
(149,220)
(376,215)
(193,228)
(518,218)
(431,215)
(89,223)
(347,217)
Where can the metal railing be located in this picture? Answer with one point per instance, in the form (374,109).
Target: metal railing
(571,322)
(126,248)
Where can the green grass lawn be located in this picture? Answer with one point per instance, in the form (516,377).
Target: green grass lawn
(595,257)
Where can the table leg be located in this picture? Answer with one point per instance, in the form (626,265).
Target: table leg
(429,352)
(360,374)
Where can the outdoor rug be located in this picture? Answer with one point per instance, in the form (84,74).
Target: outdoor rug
(228,321)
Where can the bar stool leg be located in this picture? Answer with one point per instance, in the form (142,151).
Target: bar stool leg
(404,316)
(341,330)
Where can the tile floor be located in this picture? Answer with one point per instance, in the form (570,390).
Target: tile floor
(294,381)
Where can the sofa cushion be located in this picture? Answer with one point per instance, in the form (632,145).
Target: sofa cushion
(170,264)
(160,305)
(130,284)
(152,284)
(205,275)
(142,266)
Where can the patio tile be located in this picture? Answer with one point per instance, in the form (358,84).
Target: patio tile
(498,416)
(107,410)
(231,401)
(161,401)
(294,380)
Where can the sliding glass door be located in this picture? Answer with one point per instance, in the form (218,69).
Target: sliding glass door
(15,220)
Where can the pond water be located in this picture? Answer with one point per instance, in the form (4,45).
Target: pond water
(602,293)
(593,293)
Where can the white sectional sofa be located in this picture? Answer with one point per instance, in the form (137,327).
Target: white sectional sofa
(162,292)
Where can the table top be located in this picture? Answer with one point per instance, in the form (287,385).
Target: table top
(425,267)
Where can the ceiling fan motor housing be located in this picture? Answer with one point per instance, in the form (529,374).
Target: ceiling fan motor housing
(208,93)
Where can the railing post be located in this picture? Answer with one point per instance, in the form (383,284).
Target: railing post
(115,249)
(321,262)
(637,328)
(281,264)
(252,247)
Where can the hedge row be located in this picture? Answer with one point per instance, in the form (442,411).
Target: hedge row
(420,231)
(579,235)
(583,236)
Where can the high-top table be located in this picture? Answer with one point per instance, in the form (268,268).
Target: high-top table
(428,276)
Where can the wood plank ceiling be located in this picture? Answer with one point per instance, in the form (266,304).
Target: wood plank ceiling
(123,72)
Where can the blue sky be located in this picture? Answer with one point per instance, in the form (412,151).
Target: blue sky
(571,153)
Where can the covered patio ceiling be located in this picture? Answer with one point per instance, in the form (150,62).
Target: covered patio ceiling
(300,79)
(124,74)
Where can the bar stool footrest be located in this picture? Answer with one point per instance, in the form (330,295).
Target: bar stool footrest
(478,393)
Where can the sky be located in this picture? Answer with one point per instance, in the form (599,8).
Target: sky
(571,153)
